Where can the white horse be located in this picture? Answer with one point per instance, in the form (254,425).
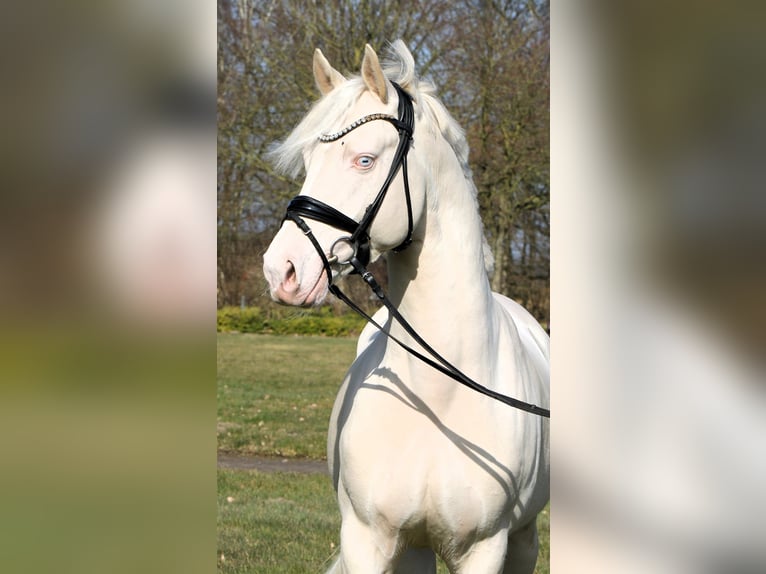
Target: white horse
(421,464)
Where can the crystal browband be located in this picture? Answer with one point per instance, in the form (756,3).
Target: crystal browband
(326,138)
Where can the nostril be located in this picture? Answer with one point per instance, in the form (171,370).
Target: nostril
(289,279)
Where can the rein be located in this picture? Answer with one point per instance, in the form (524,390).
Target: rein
(359,241)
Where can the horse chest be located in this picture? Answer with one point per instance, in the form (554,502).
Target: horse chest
(408,468)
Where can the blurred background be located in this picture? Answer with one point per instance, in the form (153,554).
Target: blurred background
(107,287)
(657,273)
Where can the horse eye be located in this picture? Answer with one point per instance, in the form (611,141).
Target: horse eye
(364,161)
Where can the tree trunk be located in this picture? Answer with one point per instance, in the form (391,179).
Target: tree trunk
(500,251)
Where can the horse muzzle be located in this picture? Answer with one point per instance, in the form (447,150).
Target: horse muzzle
(296,276)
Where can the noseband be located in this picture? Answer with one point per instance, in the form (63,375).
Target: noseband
(358,239)
(303,206)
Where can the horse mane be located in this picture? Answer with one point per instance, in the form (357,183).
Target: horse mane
(323,117)
(400,68)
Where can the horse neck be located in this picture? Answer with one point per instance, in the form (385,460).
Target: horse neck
(439,284)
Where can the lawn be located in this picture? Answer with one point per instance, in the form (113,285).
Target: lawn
(275,394)
(279,523)
(286,523)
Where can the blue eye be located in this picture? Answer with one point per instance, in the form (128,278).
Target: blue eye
(364,161)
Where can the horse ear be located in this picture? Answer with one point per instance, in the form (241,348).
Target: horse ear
(326,77)
(373,76)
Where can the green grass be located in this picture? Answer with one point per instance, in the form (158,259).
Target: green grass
(544,534)
(289,524)
(275,523)
(275,393)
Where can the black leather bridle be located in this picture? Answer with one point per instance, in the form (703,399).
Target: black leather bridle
(358,240)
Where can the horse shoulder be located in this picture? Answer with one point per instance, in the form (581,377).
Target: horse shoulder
(534,340)
(535,347)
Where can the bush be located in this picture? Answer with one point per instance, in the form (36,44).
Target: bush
(287,321)
(234,319)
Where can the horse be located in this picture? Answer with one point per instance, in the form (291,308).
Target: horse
(421,464)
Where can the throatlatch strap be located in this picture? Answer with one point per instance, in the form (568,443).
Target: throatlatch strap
(405,126)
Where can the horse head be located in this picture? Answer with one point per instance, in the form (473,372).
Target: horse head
(349,145)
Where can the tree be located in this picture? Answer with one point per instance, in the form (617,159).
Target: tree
(489,60)
(503,101)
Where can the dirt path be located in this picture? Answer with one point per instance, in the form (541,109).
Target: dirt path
(270,464)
